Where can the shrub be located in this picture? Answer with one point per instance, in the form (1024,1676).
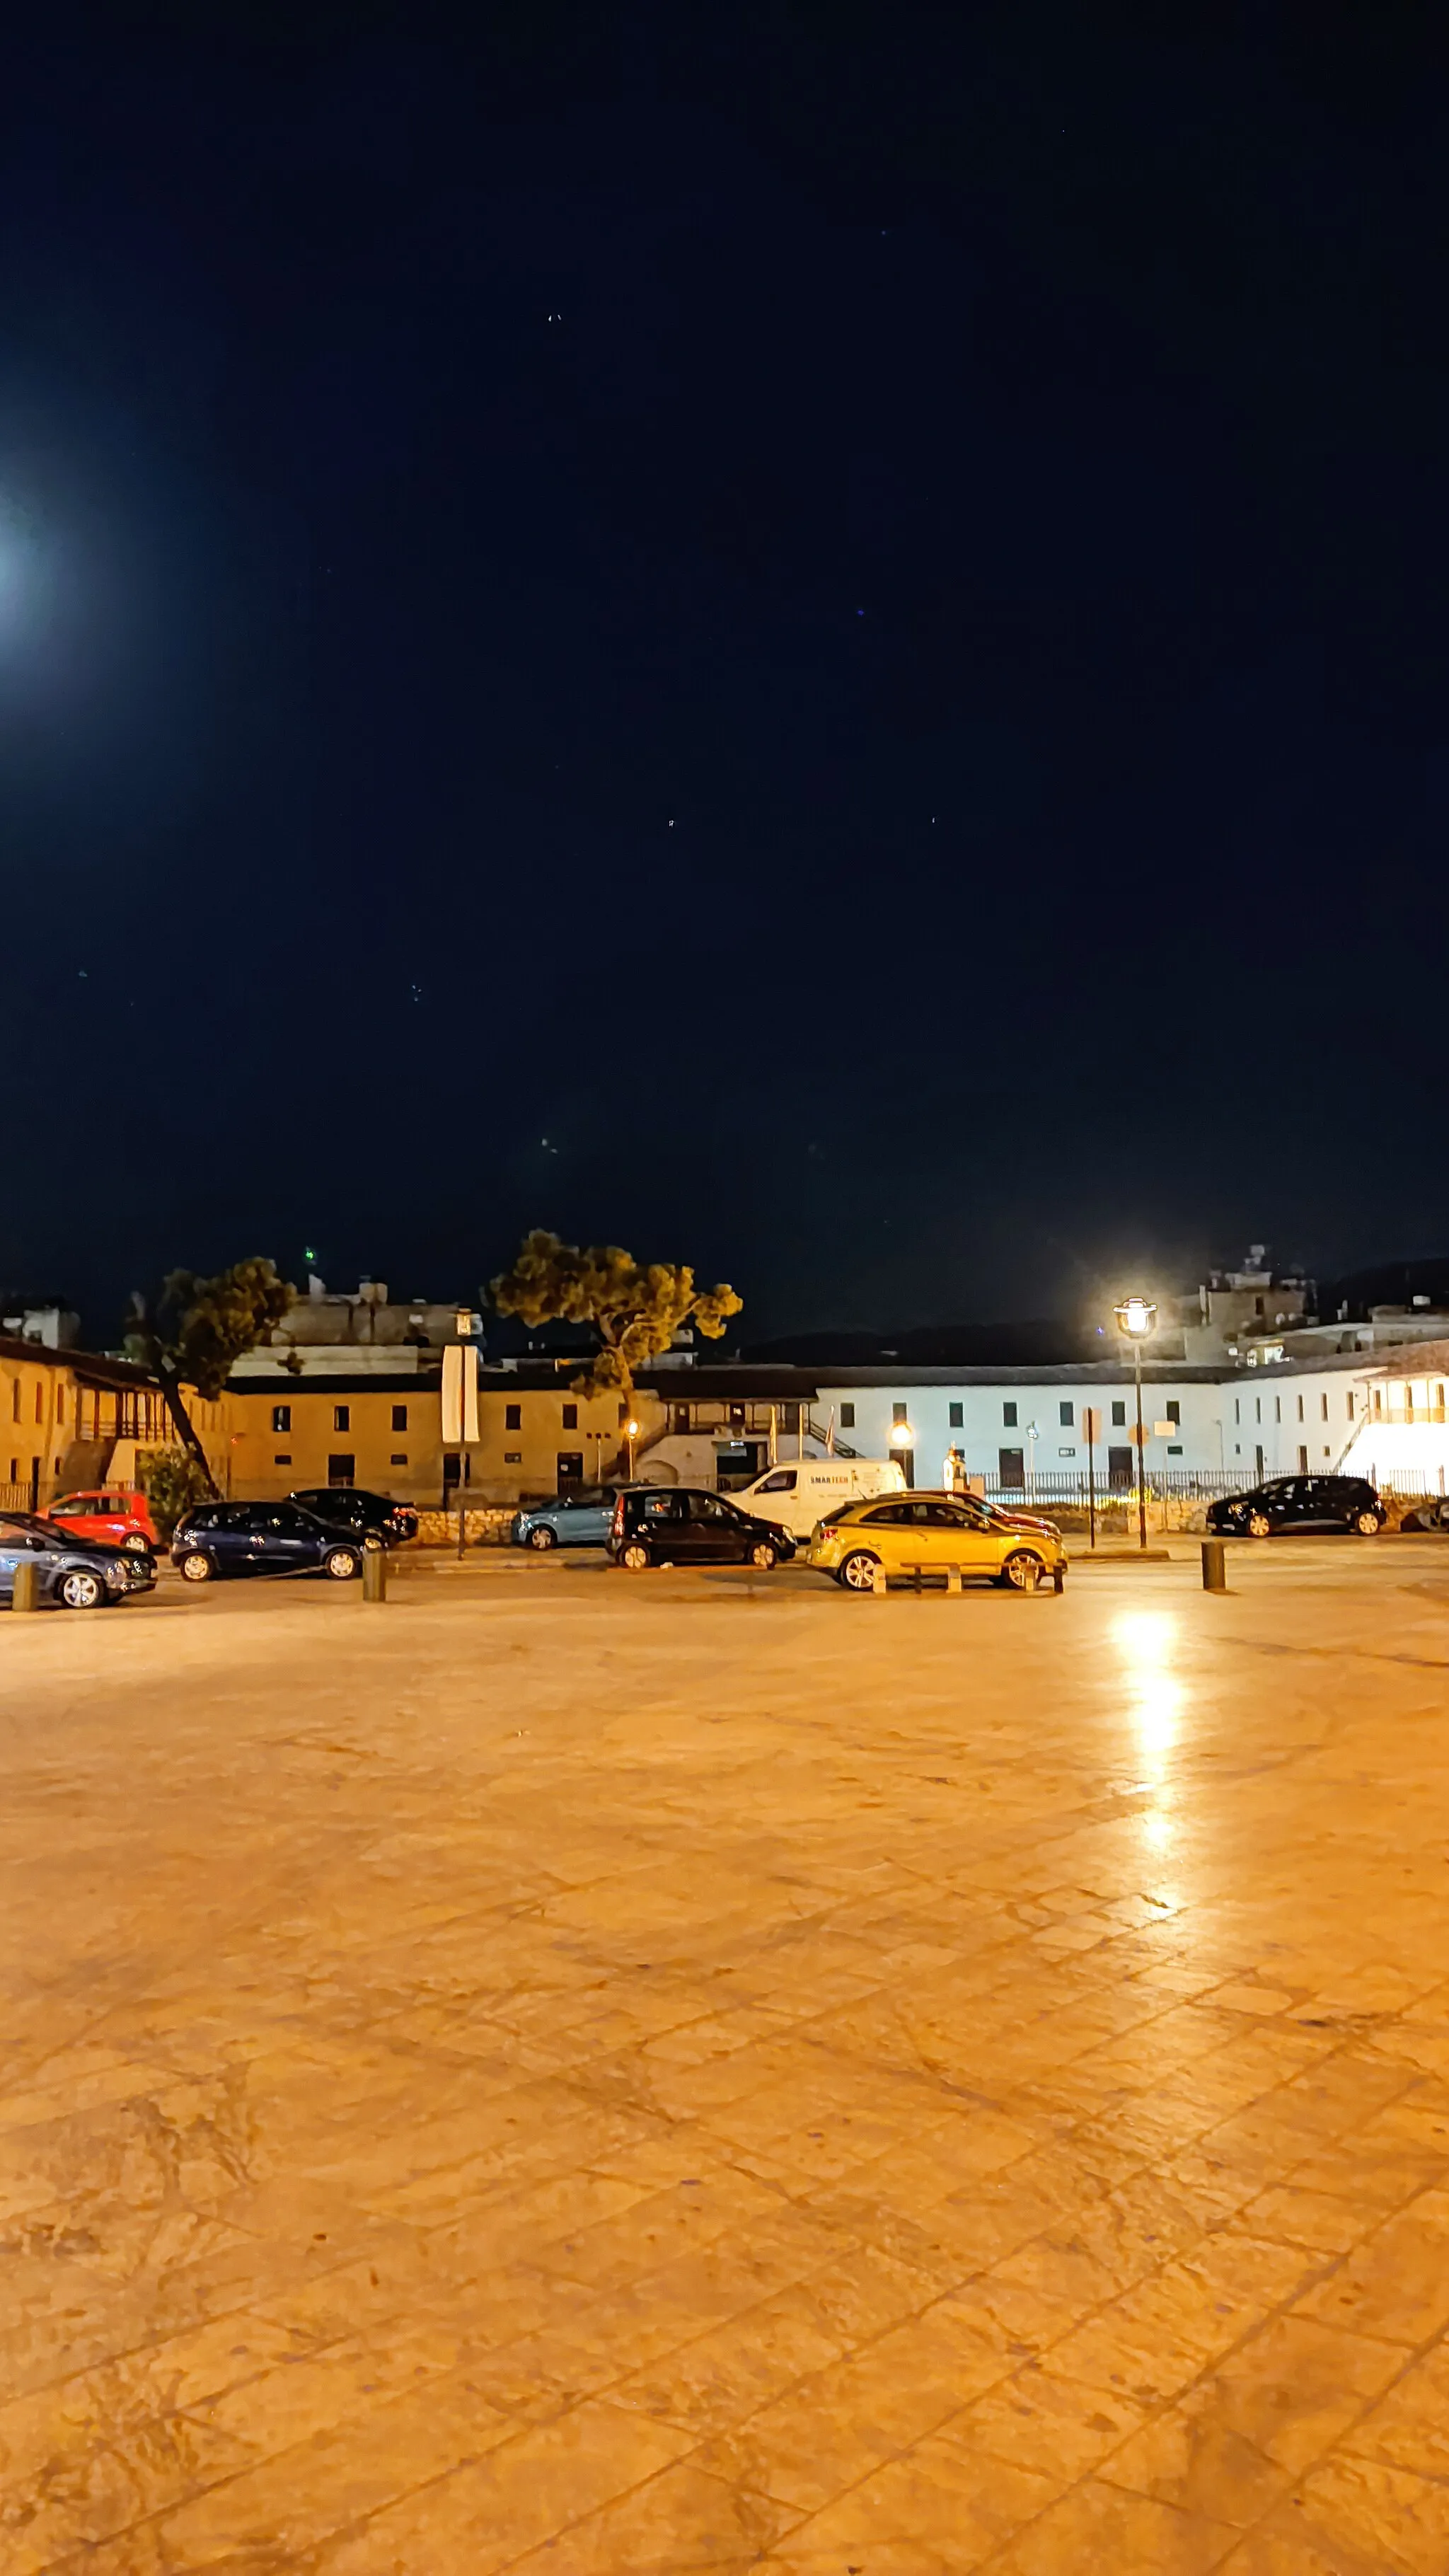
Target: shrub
(171,1482)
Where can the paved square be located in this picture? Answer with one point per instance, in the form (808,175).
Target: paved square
(625,2078)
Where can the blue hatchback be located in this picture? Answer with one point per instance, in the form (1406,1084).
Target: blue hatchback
(583,1519)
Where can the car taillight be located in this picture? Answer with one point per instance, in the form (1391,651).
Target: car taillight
(619,1517)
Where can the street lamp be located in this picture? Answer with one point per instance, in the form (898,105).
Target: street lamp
(903,1441)
(1137,1318)
(631,1434)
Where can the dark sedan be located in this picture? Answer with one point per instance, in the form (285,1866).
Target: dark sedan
(220,1539)
(688,1525)
(1430,1515)
(1303,1504)
(374,1518)
(76,1573)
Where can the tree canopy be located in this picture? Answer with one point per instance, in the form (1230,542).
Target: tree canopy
(635,1308)
(197,1329)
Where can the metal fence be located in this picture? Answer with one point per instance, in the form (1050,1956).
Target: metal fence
(1191,1484)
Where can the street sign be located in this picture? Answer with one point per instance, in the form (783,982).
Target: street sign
(460,1392)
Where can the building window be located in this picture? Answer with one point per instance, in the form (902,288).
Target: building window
(847,1417)
(1237,1410)
(15,1405)
(623,1415)
(1300,1408)
(1378,1399)
(1173,1409)
(1119,1416)
(571,1417)
(900,1413)
(1173,1452)
(1349,1401)
(1064,1416)
(342,1417)
(1257,1408)
(281,1418)
(60,1404)
(341,1468)
(1277,1408)
(958,1415)
(513,1417)
(283,1458)
(1008,1417)
(399,1458)
(513,1457)
(399,1419)
(39,1403)
(1323,1401)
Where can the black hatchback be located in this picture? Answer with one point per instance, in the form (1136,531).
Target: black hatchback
(374,1518)
(688,1525)
(217,1539)
(76,1573)
(1301,1503)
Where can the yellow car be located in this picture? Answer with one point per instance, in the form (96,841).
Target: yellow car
(904,1533)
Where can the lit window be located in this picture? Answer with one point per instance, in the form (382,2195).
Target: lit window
(513,1457)
(282,1419)
(342,1417)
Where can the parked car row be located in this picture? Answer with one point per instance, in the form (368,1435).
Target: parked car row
(101,1546)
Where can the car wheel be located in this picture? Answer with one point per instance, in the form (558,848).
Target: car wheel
(342,1564)
(542,1537)
(137,1542)
(82,1590)
(1259,1525)
(197,1568)
(1367,1525)
(857,1572)
(1022,1571)
(372,1545)
(763,1555)
(635,1557)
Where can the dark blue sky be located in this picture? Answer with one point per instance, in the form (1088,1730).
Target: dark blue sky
(841,616)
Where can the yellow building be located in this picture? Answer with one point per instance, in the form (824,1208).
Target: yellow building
(73,1419)
(382,1429)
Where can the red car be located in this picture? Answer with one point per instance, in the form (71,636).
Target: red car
(119,1517)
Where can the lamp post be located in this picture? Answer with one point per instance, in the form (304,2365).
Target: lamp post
(903,1441)
(1137,1318)
(631,1434)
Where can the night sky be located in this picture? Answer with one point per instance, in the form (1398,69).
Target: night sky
(814,642)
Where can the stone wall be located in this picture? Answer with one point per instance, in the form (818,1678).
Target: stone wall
(484,1526)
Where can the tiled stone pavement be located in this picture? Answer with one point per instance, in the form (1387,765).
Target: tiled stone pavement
(576,2076)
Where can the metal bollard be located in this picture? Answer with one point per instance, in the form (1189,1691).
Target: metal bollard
(1214,1565)
(953,1578)
(374,1574)
(27,1585)
(878,1583)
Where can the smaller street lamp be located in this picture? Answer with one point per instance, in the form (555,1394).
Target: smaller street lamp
(631,1434)
(903,1441)
(1137,1318)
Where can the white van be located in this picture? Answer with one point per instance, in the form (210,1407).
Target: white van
(799,1493)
